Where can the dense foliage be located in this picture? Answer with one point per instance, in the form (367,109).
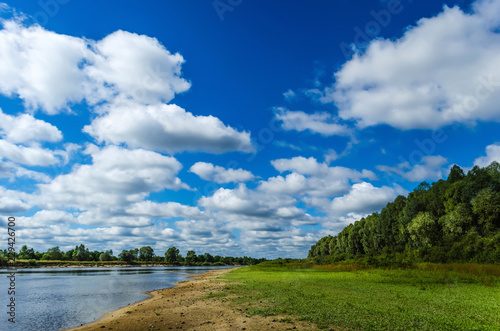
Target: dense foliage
(457,219)
(144,255)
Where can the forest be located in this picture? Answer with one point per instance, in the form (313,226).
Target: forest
(144,254)
(452,220)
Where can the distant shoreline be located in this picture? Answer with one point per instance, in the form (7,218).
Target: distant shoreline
(107,264)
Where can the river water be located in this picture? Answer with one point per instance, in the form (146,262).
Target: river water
(59,298)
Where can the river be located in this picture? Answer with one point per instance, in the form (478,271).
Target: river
(59,298)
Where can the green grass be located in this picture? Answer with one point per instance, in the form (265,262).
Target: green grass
(426,297)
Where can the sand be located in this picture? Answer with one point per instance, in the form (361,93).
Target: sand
(188,306)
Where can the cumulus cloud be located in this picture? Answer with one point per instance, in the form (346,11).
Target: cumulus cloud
(163,210)
(243,204)
(127,78)
(220,175)
(431,169)
(311,181)
(25,128)
(44,218)
(167,128)
(242,201)
(106,217)
(310,166)
(365,198)
(51,71)
(207,235)
(444,70)
(20,143)
(292,184)
(136,66)
(12,171)
(319,122)
(41,67)
(492,154)
(33,155)
(116,177)
(13,201)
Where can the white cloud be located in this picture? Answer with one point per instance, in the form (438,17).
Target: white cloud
(136,66)
(41,67)
(13,201)
(292,184)
(431,169)
(51,71)
(322,123)
(207,235)
(300,164)
(124,77)
(104,217)
(25,128)
(311,181)
(45,218)
(167,128)
(163,210)
(33,155)
(446,69)
(117,177)
(12,171)
(289,95)
(310,166)
(365,198)
(220,175)
(331,156)
(242,205)
(492,154)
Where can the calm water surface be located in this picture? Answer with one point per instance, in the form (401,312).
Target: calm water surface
(54,299)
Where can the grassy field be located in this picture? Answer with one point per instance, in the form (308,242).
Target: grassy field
(424,297)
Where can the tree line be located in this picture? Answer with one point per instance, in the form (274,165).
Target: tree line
(452,220)
(144,254)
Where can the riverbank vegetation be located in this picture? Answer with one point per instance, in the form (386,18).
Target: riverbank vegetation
(453,220)
(356,295)
(82,256)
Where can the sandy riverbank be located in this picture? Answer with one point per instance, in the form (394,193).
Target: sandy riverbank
(186,307)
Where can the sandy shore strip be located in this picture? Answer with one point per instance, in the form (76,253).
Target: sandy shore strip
(190,305)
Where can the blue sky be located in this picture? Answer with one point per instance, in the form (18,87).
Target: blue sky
(235,127)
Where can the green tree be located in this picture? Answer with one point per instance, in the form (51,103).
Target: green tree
(127,255)
(190,257)
(68,255)
(26,253)
(486,205)
(146,253)
(457,221)
(422,229)
(173,255)
(53,253)
(81,253)
(106,256)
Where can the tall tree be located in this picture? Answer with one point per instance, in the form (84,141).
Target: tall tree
(173,255)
